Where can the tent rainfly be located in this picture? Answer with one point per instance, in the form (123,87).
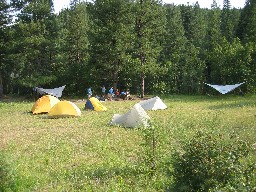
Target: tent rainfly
(44,104)
(94,104)
(57,92)
(154,103)
(223,89)
(135,117)
(64,109)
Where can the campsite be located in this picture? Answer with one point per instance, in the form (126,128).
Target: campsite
(87,153)
(127,96)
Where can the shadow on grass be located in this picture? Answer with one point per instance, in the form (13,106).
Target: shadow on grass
(233,105)
(103,172)
(101,176)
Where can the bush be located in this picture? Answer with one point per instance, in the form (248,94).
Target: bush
(213,162)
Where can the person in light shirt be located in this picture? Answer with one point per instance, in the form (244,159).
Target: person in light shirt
(110,93)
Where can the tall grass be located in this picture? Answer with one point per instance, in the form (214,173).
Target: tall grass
(87,154)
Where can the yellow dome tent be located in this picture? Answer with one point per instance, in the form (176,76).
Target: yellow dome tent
(94,104)
(44,104)
(64,109)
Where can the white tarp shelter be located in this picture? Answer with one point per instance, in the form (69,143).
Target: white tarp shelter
(223,89)
(135,117)
(57,92)
(154,103)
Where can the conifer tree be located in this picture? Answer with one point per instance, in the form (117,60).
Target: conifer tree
(247,33)
(247,25)
(110,39)
(33,53)
(173,47)
(185,68)
(149,30)
(74,45)
(213,38)
(227,26)
(4,21)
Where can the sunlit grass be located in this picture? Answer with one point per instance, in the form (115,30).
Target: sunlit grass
(87,154)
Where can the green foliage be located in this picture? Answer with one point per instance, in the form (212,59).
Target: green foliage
(110,41)
(173,47)
(226,67)
(31,51)
(247,29)
(72,62)
(148,35)
(227,27)
(160,88)
(211,161)
(4,14)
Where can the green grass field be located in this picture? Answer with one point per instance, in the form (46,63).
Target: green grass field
(87,154)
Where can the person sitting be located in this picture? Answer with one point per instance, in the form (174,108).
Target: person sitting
(89,92)
(122,95)
(117,93)
(127,94)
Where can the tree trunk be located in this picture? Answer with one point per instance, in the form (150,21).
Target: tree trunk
(115,80)
(142,85)
(1,86)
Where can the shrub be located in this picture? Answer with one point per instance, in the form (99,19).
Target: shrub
(210,161)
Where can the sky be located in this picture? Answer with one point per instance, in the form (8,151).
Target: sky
(60,4)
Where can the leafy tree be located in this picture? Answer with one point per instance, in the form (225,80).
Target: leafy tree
(4,13)
(231,62)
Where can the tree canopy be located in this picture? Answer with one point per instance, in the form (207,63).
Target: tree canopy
(144,45)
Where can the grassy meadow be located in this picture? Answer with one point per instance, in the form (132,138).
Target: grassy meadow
(88,154)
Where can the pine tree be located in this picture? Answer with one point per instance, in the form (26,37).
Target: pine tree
(247,25)
(149,30)
(213,38)
(185,68)
(33,38)
(74,45)
(246,32)
(227,26)
(110,39)
(4,21)
(173,47)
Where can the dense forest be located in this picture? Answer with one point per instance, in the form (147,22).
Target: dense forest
(145,45)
